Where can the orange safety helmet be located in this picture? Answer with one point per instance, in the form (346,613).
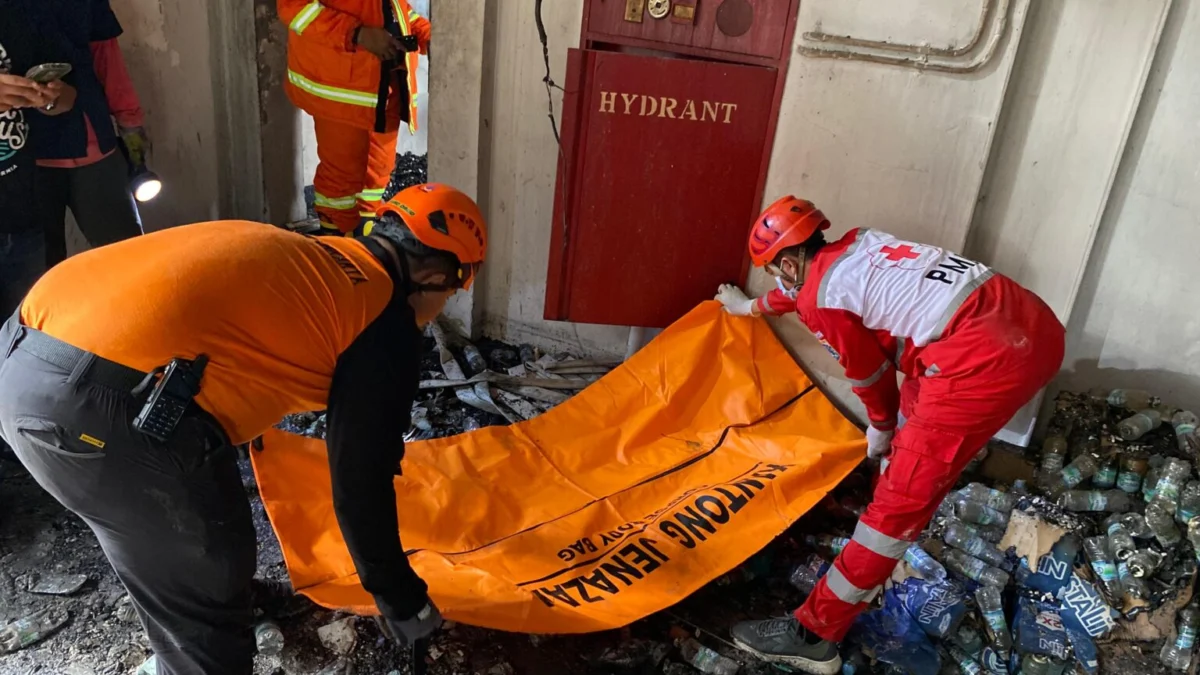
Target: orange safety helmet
(443,218)
(786,223)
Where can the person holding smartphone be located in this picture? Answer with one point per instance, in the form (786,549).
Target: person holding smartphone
(22,247)
(22,256)
(78,164)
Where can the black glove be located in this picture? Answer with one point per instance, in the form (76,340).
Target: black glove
(418,627)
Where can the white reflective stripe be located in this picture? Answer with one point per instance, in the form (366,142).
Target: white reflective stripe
(959,298)
(823,288)
(878,542)
(333,93)
(932,370)
(846,591)
(883,368)
(901,343)
(339,203)
(305,17)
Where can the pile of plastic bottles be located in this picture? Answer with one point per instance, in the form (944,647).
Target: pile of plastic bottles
(1117,470)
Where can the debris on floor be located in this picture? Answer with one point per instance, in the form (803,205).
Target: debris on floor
(1097,546)
(1016,574)
(467,386)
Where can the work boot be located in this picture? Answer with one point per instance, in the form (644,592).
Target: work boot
(785,641)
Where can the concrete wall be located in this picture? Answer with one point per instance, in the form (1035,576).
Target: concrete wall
(1024,162)
(1137,319)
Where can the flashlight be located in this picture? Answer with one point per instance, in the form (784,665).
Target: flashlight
(144,183)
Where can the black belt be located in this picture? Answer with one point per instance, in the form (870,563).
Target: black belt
(99,371)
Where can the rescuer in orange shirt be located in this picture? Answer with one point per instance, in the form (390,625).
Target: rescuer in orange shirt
(125,399)
(352,65)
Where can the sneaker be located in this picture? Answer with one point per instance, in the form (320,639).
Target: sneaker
(785,641)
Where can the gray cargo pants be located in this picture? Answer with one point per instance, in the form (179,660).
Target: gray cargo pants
(172,518)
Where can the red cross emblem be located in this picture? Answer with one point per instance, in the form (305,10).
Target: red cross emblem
(902,252)
(906,256)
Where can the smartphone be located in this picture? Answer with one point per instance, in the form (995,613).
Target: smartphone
(48,72)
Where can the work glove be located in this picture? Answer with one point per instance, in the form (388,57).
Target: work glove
(419,627)
(879,443)
(735,301)
(137,143)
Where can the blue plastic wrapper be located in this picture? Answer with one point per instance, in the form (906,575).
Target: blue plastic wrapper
(1085,649)
(895,636)
(1054,569)
(938,608)
(1039,630)
(1084,609)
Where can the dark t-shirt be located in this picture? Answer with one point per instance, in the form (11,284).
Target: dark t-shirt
(20,50)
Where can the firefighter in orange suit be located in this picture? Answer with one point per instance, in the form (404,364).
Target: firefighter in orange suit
(352,65)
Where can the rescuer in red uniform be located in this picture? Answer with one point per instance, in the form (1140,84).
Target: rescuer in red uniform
(973,345)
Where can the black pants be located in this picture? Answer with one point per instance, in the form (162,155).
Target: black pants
(99,198)
(172,518)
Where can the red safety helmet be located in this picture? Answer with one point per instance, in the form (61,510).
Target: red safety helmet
(446,219)
(786,223)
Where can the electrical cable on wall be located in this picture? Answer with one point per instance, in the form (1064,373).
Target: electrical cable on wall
(550,84)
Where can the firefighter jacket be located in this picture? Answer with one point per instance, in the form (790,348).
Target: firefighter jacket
(331,77)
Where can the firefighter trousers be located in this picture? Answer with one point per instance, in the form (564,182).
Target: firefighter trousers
(172,518)
(354,170)
(975,380)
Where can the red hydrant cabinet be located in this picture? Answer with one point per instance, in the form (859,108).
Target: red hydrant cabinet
(667,128)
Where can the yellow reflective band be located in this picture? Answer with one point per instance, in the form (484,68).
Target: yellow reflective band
(339,203)
(332,93)
(401,17)
(367,227)
(306,16)
(371,195)
(412,15)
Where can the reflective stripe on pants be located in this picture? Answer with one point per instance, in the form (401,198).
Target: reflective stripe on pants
(1002,360)
(354,170)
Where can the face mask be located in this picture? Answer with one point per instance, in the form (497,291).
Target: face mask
(791,294)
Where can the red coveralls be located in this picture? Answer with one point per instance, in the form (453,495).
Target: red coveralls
(974,347)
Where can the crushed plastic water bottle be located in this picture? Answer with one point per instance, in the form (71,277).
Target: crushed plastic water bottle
(31,629)
(1106,475)
(1189,503)
(1139,424)
(268,638)
(1185,423)
(978,492)
(1177,654)
(1103,565)
(992,608)
(1133,469)
(966,664)
(805,576)
(975,569)
(989,533)
(1175,474)
(1160,516)
(1193,535)
(1112,501)
(959,537)
(1080,469)
(1133,399)
(920,560)
(980,514)
(1054,454)
(828,542)
(706,660)
(1142,564)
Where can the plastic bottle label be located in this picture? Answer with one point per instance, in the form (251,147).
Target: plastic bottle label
(995,620)
(1106,476)
(1097,501)
(1186,639)
(1105,570)
(1169,490)
(1122,571)
(1072,476)
(1184,429)
(1052,463)
(974,546)
(1129,481)
(1185,515)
